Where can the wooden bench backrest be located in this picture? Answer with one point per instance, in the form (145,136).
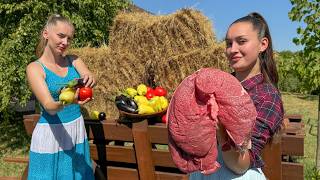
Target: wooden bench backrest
(99,136)
(149,159)
(103,152)
(121,162)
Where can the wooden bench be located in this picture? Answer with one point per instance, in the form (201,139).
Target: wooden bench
(278,155)
(139,160)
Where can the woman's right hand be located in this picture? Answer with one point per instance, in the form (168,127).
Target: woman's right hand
(76,98)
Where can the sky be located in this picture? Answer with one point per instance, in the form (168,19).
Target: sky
(223,13)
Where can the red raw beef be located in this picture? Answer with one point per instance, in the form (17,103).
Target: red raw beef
(200,101)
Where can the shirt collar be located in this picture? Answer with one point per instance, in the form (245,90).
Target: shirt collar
(252,82)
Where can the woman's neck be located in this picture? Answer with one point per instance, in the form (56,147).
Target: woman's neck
(244,75)
(52,58)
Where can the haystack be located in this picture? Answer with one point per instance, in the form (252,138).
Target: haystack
(114,72)
(151,37)
(170,72)
(155,50)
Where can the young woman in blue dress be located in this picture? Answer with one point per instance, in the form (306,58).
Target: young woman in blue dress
(59,145)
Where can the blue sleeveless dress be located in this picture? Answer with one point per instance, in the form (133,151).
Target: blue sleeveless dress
(223,173)
(59,146)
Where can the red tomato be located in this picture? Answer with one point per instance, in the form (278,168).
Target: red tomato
(160,91)
(85,93)
(149,89)
(149,95)
(164,118)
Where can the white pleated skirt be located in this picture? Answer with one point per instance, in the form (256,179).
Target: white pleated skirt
(60,151)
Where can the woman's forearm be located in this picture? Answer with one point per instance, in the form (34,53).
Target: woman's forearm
(234,160)
(237,162)
(52,107)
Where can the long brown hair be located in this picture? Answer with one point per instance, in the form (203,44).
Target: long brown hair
(267,64)
(52,20)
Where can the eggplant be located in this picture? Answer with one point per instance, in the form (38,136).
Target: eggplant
(80,82)
(121,97)
(124,104)
(132,103)
(125,107)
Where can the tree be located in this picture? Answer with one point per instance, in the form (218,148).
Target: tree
(308,11)
(20,24)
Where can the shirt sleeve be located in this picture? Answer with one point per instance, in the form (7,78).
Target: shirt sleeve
(269,119)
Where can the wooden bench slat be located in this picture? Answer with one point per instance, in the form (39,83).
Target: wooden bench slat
(162,158)
(292,171)
(170,176)
(119,173)
(113,153)
(295,128)
(292,145)
(10,178)
(158,134)
(31,116)
(293,117)
(108,130)
(16,159)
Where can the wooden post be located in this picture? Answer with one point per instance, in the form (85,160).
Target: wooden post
(25,173)
(271,155)
(143,150)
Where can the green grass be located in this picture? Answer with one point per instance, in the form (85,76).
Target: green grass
(15,142)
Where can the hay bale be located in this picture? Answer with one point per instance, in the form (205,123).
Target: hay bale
(170,72)
(150,37)
(155,50)
(114,72)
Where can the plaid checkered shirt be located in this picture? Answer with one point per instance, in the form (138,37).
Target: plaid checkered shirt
(268,103)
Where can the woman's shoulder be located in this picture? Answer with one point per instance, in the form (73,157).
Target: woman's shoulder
(35,68)
(266,92)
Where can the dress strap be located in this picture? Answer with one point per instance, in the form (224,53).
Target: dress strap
(42,65)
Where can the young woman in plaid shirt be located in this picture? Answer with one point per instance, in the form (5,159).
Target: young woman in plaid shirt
(249,51)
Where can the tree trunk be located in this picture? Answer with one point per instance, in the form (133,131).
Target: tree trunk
(318,136)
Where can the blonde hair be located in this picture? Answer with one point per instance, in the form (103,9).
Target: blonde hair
(52,20)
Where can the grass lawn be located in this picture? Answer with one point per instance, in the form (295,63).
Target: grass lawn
(15,142)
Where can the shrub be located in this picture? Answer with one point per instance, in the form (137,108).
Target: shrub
(21,23)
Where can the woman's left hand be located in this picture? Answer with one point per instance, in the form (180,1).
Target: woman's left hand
(89,80)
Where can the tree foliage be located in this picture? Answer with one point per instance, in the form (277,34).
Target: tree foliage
(308,68)
(20,25)
(289,80)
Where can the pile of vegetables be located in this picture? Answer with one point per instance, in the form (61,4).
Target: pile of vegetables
(67,93)
(67,96)
(142,100)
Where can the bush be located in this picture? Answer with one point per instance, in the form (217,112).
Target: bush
(21,23)
(289,80)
